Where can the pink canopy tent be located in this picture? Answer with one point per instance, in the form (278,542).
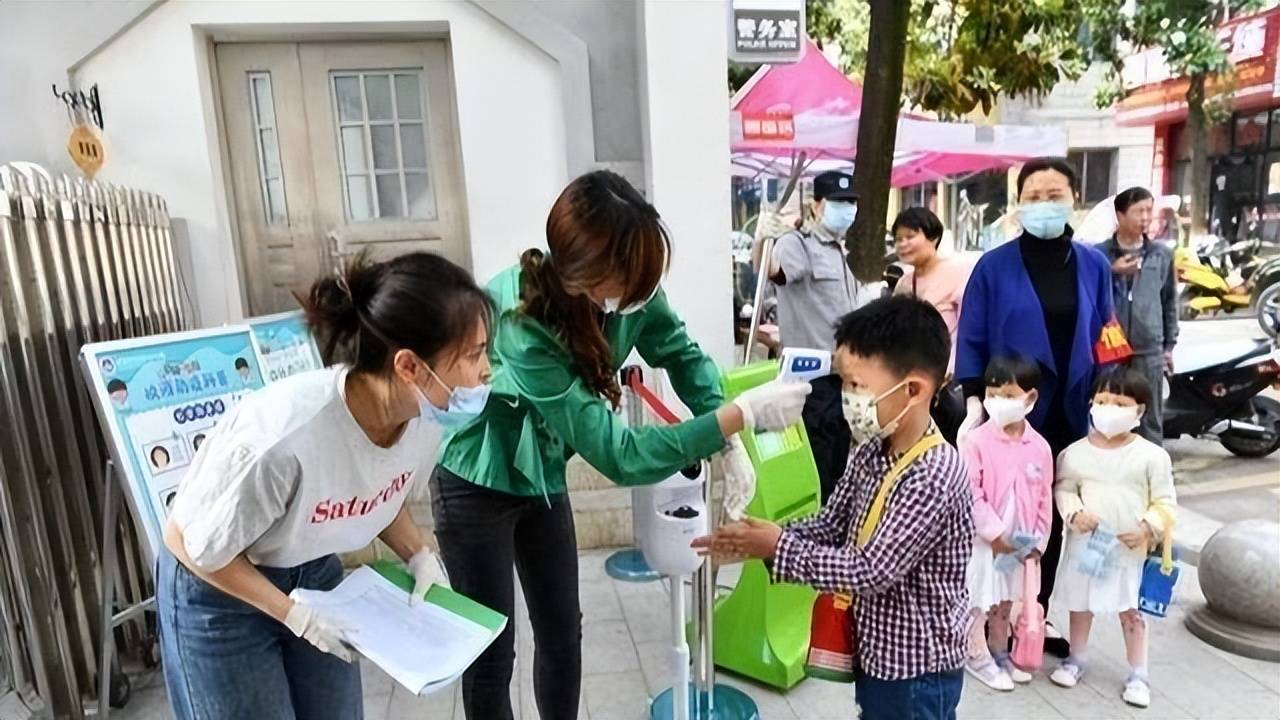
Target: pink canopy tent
(807,113)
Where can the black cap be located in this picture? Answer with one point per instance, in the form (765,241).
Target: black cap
(834,185)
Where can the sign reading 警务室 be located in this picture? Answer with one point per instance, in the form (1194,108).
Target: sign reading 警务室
(769,31)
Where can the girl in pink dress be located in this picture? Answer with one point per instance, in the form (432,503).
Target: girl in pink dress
(1011,472)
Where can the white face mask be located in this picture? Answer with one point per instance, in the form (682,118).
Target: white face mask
(611,305)
(614,305)
(1005,411)
(1114,420)
(864,421)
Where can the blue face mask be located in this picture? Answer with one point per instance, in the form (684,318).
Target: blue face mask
(837,216)
(1046,220)
(465,404)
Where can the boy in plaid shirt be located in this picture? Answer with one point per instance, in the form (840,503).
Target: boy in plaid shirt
(906,573)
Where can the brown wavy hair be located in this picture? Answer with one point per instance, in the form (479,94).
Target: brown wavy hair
(599,229)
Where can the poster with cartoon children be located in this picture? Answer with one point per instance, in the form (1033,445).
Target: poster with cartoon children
(159,398)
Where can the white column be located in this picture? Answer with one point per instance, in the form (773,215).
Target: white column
(685,110)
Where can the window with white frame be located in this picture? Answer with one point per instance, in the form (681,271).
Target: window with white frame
(267,142)
(1096,173)
(382,144)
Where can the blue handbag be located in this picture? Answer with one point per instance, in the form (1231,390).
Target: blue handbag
(1159,573)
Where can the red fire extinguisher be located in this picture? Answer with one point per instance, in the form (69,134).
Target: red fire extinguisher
(831,643)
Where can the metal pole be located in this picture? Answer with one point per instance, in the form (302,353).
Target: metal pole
(107,646)
(679,652)
(762,281)
(704,598)
(766,256)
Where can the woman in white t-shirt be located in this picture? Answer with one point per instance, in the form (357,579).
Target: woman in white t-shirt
(309,467)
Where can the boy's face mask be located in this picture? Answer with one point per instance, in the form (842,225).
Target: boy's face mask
(862,413)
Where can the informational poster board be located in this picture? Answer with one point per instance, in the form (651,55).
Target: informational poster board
(158,398)
(285,345)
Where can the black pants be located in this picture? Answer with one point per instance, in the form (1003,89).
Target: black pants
(1058,433)
(828,431)
(482,533)
(948,410)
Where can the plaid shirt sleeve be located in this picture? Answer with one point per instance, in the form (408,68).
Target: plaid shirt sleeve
(906,534)
(831,525)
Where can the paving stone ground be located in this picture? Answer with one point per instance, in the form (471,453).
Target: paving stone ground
(625,645)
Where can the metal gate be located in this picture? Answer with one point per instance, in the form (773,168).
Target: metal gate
(80,262)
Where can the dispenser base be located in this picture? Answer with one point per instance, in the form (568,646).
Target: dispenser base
(730,703)
(629,566)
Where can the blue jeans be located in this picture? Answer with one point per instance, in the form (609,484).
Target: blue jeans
(224,659)
(927,697)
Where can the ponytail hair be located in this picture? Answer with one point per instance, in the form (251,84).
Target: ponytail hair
(419,302)
(599,229)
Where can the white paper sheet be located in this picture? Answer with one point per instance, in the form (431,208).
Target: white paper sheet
(423,647)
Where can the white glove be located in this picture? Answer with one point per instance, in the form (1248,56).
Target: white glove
(427,570)
(972,419)
(313,624)
(773,406)
(771,225)
(739,479)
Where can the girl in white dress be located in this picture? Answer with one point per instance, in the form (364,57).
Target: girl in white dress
(1115,492)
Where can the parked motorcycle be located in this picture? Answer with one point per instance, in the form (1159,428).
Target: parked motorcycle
(1266,277)
(1215,394)
(1204,288)
(1269,311)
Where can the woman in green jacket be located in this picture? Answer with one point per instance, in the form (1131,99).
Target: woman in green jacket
(566,323)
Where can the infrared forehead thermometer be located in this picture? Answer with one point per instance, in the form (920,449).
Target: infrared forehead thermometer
(804,364)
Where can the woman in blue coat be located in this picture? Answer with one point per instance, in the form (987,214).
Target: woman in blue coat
(1042,296)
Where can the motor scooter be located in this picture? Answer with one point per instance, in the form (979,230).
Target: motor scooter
(1266,277)
(1214,394)
(1269,311)
(1203,288)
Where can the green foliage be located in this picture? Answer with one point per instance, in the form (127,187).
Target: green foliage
(739,74)
(1185,29)
(844,23)
(966,54)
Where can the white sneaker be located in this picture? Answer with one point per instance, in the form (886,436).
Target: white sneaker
(1067,674)
(1017,674)
(989,673)
(1137,692)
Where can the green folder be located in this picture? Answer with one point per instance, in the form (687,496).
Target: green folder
(459,605)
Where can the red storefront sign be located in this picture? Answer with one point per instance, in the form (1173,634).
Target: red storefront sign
(1251,43)
(773,126)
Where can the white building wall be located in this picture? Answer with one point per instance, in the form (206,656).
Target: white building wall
(162,135)
(38,42)
(658,97)
(684,104)
(1071,105)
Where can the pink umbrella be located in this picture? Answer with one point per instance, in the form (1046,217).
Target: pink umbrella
(808,112)
(806,106)
(934,166)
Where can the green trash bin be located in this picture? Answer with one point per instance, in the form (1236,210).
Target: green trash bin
(762,629)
